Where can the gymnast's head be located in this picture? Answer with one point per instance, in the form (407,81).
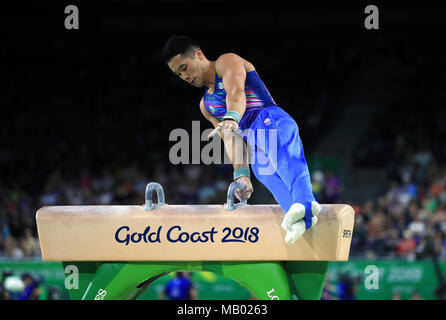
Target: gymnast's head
(185,58)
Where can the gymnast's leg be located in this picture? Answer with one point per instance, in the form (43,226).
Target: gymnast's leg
(280,165)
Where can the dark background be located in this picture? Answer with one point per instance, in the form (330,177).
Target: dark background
(86,114)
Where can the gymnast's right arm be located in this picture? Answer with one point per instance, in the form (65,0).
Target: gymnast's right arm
(215,122)
(237,152)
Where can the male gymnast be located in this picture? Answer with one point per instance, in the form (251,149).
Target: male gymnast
(237,100)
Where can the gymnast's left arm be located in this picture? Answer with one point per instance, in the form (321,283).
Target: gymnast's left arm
(233,73)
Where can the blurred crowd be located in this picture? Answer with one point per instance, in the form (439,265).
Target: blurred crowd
(192,185)
(407,140)
(408,220)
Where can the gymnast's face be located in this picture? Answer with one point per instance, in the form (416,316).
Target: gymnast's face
(189,67)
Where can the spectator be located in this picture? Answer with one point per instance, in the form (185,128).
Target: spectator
(396,296)
(180,288)
(406,247)
(31,291)
(416,296)
(317,180)
(347,287)
(329,290)
(332,188)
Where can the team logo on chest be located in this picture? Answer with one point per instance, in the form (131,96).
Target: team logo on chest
(220,85)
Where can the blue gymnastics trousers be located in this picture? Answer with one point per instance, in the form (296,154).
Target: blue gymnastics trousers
(278,160)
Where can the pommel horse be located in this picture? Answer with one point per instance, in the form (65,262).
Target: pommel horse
(118,251)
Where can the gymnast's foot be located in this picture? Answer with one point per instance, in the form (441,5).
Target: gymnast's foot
(294,221)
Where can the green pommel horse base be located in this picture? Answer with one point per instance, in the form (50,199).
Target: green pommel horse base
(118,251)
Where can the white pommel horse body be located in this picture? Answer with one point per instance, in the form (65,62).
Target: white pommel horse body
(122,249)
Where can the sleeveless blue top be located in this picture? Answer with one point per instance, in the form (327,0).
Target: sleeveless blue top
(257,98)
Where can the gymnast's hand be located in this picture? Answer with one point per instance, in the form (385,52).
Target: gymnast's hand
(228,126)
(246,193)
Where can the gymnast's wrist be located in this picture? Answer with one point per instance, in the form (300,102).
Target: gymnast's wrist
(232,115)
(241,172)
